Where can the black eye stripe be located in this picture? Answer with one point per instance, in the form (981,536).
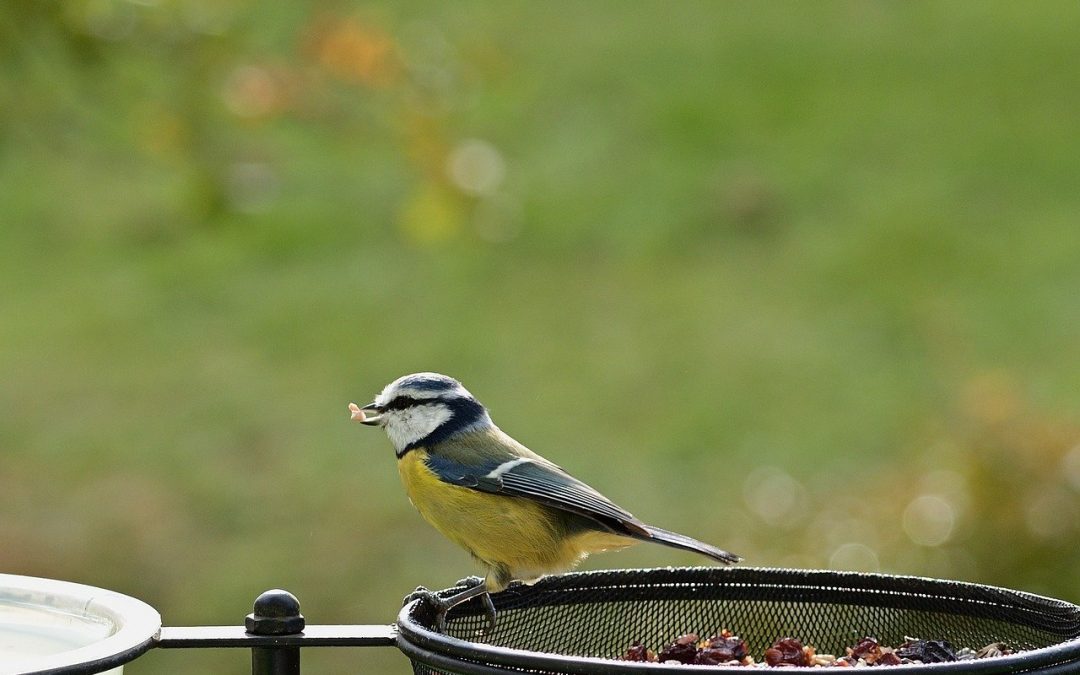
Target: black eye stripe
(402,402)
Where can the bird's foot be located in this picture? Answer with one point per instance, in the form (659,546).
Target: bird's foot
(474,586)
(432,598)
(470,581)
(421,593)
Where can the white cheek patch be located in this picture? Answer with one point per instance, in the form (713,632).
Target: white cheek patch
(411,424)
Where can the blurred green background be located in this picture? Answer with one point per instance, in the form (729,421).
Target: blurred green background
(797,279)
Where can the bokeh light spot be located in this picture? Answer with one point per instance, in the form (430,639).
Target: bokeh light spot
(476,167)
(774,496)
(251,91)
(855,557)
(929,520)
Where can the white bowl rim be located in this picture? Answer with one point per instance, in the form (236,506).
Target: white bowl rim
(137,625)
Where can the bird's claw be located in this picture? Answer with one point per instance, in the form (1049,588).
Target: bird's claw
(432,598)
(420,593)
(470,581)
(489,604)
(442,606)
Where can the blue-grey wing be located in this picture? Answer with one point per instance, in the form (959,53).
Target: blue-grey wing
(542,482)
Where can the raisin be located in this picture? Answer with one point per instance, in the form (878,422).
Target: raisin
(683,650)
(721,649)
(866,646)
(786,651)
(927,651)
(888,658)
(638,652)
(872,653)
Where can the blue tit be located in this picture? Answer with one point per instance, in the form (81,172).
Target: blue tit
(518,515)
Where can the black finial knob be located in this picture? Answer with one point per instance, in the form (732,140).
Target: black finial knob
(276,612)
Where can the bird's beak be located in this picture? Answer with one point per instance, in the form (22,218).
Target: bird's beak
(360,414)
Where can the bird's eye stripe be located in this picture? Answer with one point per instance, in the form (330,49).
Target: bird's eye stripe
(399,403)
(402,402)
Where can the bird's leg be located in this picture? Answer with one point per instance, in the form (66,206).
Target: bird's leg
(489,612)
(474,586)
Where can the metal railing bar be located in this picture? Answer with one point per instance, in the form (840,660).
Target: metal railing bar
(214,637)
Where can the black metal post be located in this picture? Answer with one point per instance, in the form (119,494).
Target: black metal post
(276,613)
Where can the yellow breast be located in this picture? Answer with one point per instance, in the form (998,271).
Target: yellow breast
(514,533)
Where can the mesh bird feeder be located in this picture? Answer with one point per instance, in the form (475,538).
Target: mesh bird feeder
(584,623)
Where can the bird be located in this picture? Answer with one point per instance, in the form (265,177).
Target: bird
(519,515)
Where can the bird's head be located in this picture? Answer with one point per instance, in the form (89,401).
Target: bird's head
(422,409)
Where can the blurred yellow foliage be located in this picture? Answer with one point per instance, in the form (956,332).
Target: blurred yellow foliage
(354,50)
(431,215)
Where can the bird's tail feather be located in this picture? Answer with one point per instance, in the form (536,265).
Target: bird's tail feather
(676,540)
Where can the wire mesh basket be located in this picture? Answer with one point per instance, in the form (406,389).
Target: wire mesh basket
(584,622)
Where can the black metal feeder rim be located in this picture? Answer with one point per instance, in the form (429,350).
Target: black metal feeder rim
(561,587)
(443,651)
(867,582)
